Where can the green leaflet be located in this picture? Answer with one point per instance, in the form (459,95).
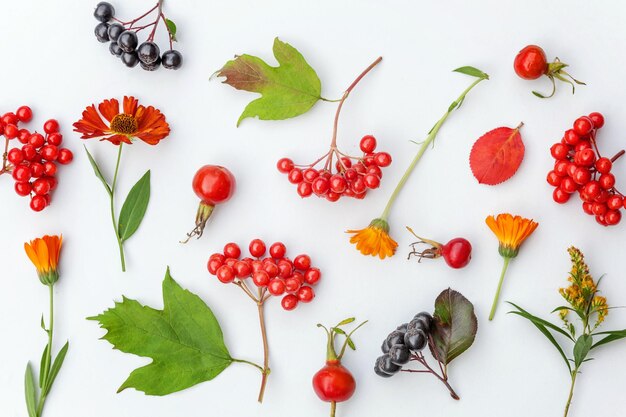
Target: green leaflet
(455,325)
(287,90)
(471,71)
(134,208)
(31,394)
(171,28)
(613,335)
(184,340)
(96,170)
(582,348)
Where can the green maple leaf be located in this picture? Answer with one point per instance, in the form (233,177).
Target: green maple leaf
(288,90)
(184,340)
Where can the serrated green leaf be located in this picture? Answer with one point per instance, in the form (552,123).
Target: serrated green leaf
(171,28)
(455,325)
(345,321)
(56,366)
(613,335)
(30,392)
(184,340)
(134,208)
(474,72)
(288,90)
(96,170)
(582,348)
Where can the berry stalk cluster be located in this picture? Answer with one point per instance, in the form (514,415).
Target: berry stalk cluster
(33,165)
(405,345)
(579,167)
(125,42)
(274,275)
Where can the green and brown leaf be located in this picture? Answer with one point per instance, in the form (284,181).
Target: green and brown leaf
(288,90)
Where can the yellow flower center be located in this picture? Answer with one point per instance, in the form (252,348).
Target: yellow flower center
(124,124)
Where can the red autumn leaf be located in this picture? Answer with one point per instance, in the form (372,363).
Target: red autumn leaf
(497,155)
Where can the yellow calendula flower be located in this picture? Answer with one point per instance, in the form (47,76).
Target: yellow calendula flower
(374,240)
(44,254)
(511,232)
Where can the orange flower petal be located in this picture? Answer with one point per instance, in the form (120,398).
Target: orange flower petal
(109,109)
(374,241)
(117,139)
(152,126)
(32,255)
(511,231)
(130,105)
(91,125)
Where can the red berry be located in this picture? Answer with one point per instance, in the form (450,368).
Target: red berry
(302,262)
(278,250)
(560,167)
(607,181)
(23,136)
(583,126)
(599,209)
(310,174)
(242,269)
(231,250)
(292,284)
(24,114)
(597,119)
(284,165)
(312,276)
(554,179)
(343,164)
(581,176)
(213,184)
(37,140)
(592,189)
(49,152)
(600,219)
(271,269)
(53,182)
(295,176)
(457,252)
(612,217)
(15,156)
(585,157)
(225,274)
(530,63)
(260,278)
(568,185)
(285,268)
(368,161)
(38,203)
(51,126)
(368,144)
(36,169)
(213,265)
(358,186)
(559,151)
(49,168)
(11,131)
(41,186)
(257,248)
(588,207)
(571,137)
(615,202)
(604,165)
(338,184)
(9,119)
(65,156)
(23,188)
(305,189)
(382,159)
(21,173)
(371,181)
(602,197)
(560,196)
(54,139)
(334,382)
(306,294)
(351,174)
(221,258)
(276,286)
(320,186)
(332,197)
(289,302)
(583,144)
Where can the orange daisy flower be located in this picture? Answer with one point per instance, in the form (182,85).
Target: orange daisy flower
(511,231)
(374,240)
(134,121)
(44,254)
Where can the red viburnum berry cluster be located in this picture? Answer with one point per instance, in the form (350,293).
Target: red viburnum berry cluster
(580,167)
(33,165)
(350,179)
(275,275)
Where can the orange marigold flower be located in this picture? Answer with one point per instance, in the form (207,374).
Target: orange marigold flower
(44,254)
(511,231)
(374,240)
(134,121)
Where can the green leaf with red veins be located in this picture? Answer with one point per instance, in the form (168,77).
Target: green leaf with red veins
(288,90)
(184,340)
(454,325)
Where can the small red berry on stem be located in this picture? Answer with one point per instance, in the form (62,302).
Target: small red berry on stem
(457,252)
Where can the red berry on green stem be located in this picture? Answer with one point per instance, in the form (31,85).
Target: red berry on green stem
(530,63)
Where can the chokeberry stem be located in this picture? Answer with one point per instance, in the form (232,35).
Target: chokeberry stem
(443,378)
(169,33)
(429,139)
(494,306)
(333,143)
(132,22)
(266,358)
(156,22)
(112,204)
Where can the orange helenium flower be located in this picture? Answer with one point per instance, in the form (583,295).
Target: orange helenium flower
(511,231)
(44,254)
(135,121)
(374,240)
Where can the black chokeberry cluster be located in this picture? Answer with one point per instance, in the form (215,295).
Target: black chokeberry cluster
(403,344)
(124,42)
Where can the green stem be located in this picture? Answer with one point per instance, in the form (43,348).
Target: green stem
(112,198)
(44,392)
(431,136)
(259,367)
(571,392)
(494,306)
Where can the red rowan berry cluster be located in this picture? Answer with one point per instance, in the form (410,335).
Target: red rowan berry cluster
(33,165)
(580,167)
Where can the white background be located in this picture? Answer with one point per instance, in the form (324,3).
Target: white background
(52,62)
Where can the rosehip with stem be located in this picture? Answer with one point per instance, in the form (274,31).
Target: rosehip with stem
(457,252)
(214,185)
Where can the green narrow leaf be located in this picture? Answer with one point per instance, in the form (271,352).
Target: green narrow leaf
(184,340)
(43,324)
(346,321)
(545,332)
(613,335)
(338,331)
(543,322)
(351,343)
(134,208)
(31,394)
(56,366)
(171,27)
(96,170)
(455,325)
(44,366)
(474,72)
(582,348)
